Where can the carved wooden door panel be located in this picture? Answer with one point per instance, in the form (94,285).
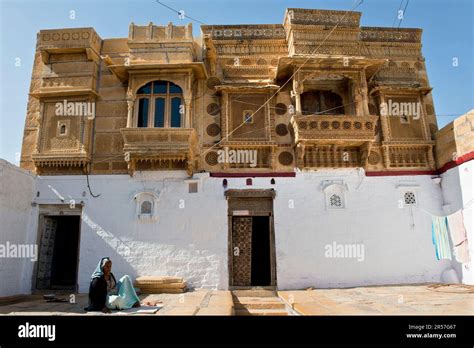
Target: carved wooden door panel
(241,250)
(46,254)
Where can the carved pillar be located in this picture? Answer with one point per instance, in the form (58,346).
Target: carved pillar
(386,156)
(334,156)
(364,92)
(272,158)
(187,112)
(188,96)
(130,103)
(224,112)
(384,120)
(300,155)
(365,151)
(431,160)
(297,90)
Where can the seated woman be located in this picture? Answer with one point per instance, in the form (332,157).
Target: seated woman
(105,293)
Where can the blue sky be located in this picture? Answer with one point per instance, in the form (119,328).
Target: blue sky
(448,33)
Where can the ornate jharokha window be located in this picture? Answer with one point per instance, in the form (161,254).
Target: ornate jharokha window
(321,102)
(159,104)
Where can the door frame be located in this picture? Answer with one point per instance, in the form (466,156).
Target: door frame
(55,210)
(242,196)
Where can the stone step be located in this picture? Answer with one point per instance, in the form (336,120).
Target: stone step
(259,312)
(255,293)
(258,303)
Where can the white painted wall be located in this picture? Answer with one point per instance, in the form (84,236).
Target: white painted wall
(397,241)
(458,193)
(17,226)
(191,240)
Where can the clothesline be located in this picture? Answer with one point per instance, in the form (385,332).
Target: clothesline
(469,203)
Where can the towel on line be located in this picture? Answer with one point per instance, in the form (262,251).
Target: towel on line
(440,237)
(459,236)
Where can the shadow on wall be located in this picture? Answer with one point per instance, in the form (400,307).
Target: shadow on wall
(109,246)
(199,267)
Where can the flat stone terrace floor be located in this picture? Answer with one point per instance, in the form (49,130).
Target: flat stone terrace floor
(198,302)
(425,299)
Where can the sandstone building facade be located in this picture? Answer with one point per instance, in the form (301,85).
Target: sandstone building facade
(137,140)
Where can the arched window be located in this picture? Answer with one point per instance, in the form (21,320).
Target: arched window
(146,208)
(335,196)
(321,102)
(160,104)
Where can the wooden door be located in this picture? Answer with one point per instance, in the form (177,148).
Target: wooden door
(241,251)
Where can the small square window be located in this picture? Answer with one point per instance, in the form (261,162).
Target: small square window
(404,119)
(193,187)
(62,129)
(335,201)
(409,198)
(248,116)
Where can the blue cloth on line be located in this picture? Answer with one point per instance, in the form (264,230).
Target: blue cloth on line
(439,236)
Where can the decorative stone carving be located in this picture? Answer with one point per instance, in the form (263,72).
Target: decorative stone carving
(211,158)
(285,158)
(213,109)
(213,130)
(281,129)
(374,158)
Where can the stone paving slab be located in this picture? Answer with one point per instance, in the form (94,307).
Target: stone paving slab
(419,299)
(198,302)
(424,299)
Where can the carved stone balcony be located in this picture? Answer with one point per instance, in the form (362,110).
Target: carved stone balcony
(67,41)
(77,159)
(332,140)
(72,57)
(333,129)
(160,148)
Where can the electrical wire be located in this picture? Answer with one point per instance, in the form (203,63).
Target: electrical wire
(179,12)
(290,78)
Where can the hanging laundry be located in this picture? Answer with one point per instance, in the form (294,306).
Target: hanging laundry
(459,236)
(440,237)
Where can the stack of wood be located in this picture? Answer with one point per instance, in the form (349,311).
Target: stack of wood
(160,285)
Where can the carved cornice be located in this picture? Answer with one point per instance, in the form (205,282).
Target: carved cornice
(64,41)
(378,34)
(238,32)
(250,193)
(321,17)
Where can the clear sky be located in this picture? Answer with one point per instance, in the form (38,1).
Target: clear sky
(448,32)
